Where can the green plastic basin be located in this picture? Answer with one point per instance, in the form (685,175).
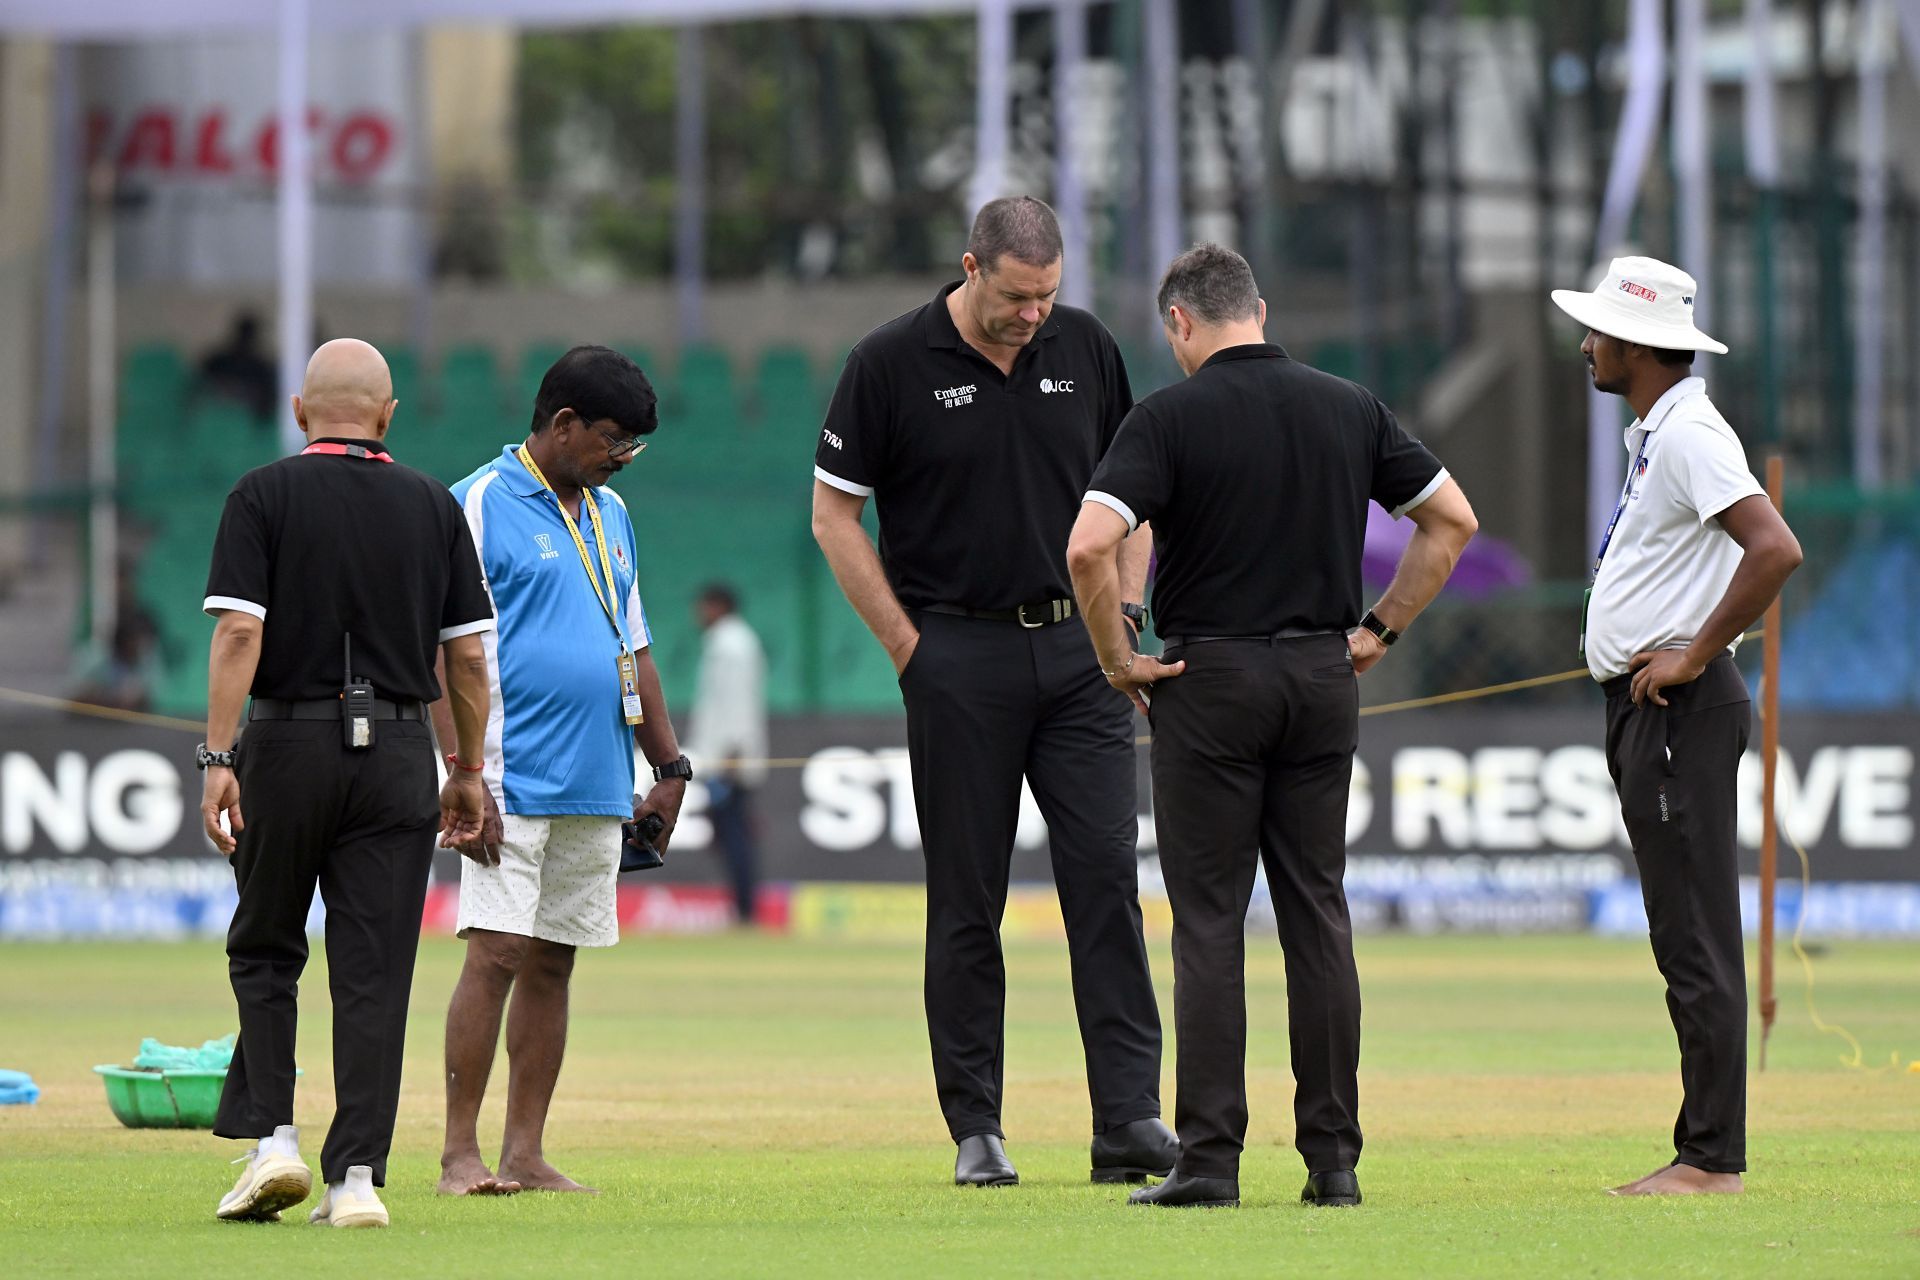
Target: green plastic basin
(162,1099)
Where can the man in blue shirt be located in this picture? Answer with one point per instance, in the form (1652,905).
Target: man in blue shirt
(573,689)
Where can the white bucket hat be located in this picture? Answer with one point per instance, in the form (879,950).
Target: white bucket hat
(1642,300)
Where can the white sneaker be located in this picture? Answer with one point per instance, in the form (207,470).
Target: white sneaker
(275,1178)
(352,1203)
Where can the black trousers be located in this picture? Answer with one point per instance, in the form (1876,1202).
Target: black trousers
(1675,768)
(1252,756)
(730,810)
(988,702)
(361,826)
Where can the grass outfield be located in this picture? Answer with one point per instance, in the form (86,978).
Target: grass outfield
(760,1106)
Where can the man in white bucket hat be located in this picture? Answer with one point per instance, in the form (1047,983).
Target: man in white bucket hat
(1693,555)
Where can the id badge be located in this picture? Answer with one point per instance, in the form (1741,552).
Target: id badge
(630,689)
(1586,599)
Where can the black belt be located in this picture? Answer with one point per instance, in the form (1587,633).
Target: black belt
(1042,613)
(1285,633)
(329,709)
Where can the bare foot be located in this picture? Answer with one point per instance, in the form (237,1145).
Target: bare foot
(541,1176)
(1684,1180)
(1631,1188)
(469,1176)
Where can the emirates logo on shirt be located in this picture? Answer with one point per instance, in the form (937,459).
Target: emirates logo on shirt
(954,397)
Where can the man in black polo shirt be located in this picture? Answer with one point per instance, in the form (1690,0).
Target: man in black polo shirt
(336,548)
(974,422)
(1256,473)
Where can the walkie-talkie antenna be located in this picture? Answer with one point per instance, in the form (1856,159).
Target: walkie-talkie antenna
(346,655)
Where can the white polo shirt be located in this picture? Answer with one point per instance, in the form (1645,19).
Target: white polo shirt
(1669,561)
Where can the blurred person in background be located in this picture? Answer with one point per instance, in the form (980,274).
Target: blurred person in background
(124,674)
(574,690)
(1692,557)
(728,739)
(240,371)
(1256,473)
(334,558)
(974,423)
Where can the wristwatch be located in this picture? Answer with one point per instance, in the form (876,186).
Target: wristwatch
(1138,612)
(205,759)
(681,768)
(1386,633)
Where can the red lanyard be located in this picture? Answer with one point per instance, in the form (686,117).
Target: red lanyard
(350,450)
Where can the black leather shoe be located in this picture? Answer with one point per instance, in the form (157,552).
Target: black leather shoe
(983,1162)
(1134,1151)
(1333,1189)
(1182,1192)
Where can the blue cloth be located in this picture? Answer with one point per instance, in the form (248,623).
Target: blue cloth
(557,741)
(17,1088)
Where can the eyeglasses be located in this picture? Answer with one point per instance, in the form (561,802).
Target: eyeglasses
(617,446)
(622,446)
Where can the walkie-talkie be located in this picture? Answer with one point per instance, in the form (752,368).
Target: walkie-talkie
(356,703)
(637,852)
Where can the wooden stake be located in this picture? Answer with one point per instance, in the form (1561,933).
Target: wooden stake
(1769,757)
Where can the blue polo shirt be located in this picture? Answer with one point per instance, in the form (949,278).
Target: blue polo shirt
(557,742)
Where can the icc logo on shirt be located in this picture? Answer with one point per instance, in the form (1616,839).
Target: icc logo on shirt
(1052,386)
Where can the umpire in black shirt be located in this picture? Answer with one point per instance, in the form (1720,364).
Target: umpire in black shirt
(338,547)
(1256,473)
(974,423)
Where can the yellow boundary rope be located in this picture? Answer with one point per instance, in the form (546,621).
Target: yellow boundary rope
(24,698)
(1856,1060)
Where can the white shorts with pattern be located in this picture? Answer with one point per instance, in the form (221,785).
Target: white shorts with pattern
(556,881)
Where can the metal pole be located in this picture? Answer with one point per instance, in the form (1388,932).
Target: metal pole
(1769,759)
(65,206)
(1694,174)
(1160,38)
(1069,192)
(1639,119)
(295,188)
(690,181)
(991,107)
(1869,297)
(1763,170)
(103,520)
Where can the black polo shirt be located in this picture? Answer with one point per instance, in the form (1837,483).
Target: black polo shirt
(976,475)
(1255,474)
(321,545)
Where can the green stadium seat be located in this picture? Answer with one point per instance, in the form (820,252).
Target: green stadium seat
(534,363)
(153,389)
(403,362)
(789,405)
(707,398)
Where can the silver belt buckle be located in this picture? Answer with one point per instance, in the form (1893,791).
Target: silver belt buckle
(1060,609)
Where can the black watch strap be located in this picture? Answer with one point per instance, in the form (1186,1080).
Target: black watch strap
(681,768)
(1386,633)
(205,759)
(1138,612)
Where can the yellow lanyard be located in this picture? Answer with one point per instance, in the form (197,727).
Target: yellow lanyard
(580,543)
